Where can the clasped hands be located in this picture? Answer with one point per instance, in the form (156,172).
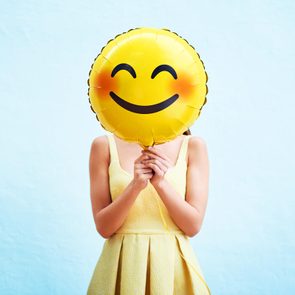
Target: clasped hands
(158,162)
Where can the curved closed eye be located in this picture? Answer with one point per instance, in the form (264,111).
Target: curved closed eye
(125,67)
(161,68)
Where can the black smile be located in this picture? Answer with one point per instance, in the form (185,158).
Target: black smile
(143,109)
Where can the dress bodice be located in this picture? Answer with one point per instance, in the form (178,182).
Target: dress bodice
(145,214)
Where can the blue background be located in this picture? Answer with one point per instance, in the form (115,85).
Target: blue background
(49,244)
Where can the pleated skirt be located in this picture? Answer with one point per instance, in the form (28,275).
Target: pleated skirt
(138,264)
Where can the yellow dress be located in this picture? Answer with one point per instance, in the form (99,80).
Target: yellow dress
(142,257)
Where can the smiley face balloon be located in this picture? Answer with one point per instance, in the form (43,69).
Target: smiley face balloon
(147,86)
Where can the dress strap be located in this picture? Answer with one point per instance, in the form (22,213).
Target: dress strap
(114,153)
(112,148)
(183,148)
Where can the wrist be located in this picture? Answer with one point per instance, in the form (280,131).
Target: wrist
(135,186)
(159,184)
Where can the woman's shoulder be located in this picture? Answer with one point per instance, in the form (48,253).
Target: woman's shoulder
(99,141)
(99,147)
(196,146)
(195,140)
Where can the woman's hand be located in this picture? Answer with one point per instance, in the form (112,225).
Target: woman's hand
(142,173)
(159,162)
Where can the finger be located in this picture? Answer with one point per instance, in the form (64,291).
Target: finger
(153,163)
(156,169)
(162,160)
(140,165)
(163,166)
(142,168)
(145,170)
(157,152)
(140,158)
(148,175)
(145,175)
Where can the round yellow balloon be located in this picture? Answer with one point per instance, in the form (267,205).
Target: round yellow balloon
(147,85)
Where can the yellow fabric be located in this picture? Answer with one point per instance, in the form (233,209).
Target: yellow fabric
(149,253)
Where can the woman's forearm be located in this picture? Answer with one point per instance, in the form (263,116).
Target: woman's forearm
(109,219)
(183,214)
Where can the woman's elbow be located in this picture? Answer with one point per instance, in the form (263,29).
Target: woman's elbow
(102,231)
(194,231)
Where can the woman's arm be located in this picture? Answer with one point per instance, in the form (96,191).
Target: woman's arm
(188,214)
(108,215)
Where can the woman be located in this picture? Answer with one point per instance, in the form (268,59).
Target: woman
(135,193)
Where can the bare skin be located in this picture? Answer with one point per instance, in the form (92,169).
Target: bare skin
(149,166)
